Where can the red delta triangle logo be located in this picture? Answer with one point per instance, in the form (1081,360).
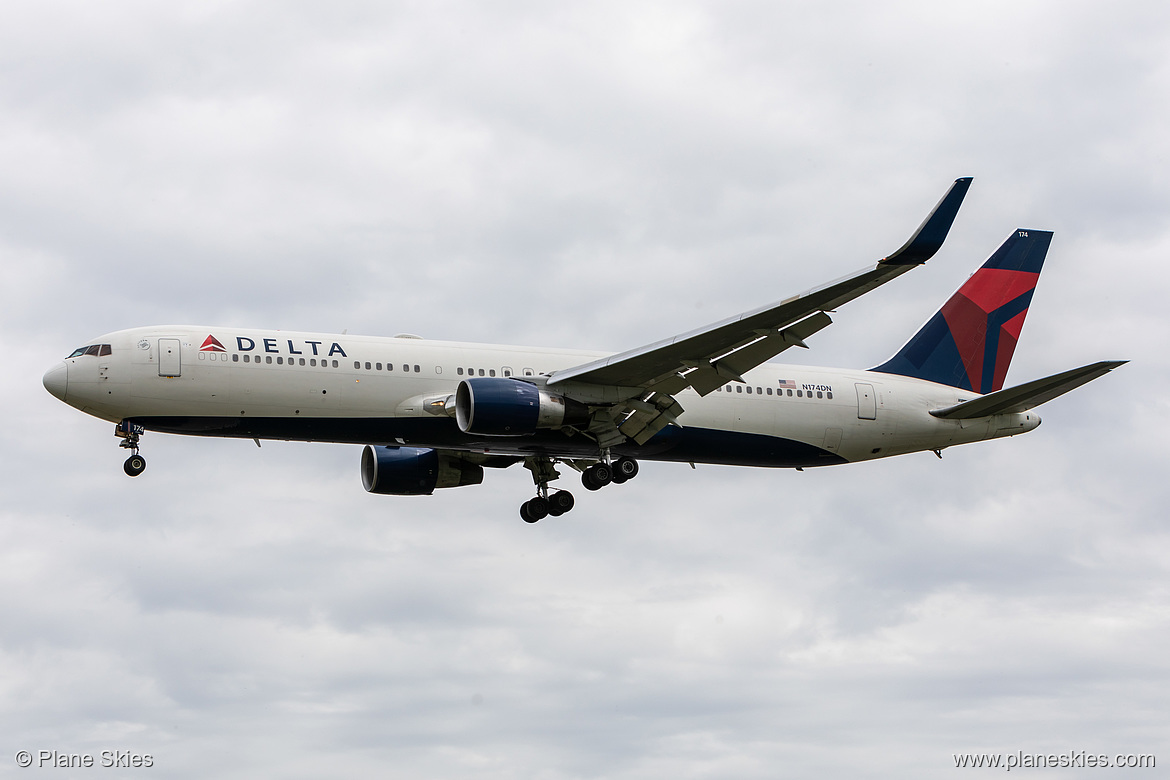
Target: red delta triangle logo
(211,344)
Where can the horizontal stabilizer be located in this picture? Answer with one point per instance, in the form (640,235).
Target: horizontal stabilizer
(1027,395)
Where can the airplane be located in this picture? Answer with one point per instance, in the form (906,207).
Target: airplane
(435,414)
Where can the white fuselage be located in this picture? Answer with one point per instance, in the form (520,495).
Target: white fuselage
(375,390)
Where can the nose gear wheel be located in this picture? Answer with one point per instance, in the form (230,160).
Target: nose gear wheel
(129,433)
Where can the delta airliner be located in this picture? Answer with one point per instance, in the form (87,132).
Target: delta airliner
(435,414)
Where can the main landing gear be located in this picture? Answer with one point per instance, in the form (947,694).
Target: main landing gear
(601,473)
(559,502)
(556,503)
(129,432)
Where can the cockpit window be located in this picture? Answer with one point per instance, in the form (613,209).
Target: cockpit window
(97,350)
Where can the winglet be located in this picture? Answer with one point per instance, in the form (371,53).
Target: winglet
(933,231)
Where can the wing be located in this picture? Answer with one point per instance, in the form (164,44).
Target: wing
(708,357)
(1028,395)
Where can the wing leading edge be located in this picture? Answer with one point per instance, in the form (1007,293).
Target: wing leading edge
(724,350)
(706,358)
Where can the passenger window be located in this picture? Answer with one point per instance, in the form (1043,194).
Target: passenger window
(235,358)
(367,366)
(268,358)
(459,371)
(819,394)
(829,394)
(203,356)
(312,361)
(749,390)
(739,388)
(491,372)
(789,393)
(405,367)
(378,366)
(417,370)
(481,372)
(759,391)
(302,361)
(335,364)
(438,369)
(769,391)
(280,361)
(800,394)
(357,364)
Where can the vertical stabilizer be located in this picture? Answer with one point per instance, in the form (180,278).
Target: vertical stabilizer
(969,343)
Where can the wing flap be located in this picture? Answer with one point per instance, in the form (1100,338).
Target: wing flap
(1028,395)
(767,347)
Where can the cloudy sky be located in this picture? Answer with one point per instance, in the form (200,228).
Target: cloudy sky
(599,175)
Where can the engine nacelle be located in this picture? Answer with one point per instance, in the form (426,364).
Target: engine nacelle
(510,407)
(414,471)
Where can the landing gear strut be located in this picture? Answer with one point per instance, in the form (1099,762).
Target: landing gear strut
(128,432)
(555,503)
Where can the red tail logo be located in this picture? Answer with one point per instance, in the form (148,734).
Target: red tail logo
(211,344)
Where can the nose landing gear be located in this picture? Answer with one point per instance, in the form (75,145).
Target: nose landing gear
(128,432)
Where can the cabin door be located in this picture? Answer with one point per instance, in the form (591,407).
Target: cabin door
(169,360)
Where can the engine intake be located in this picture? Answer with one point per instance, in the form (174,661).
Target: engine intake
(511,407)
(414,471)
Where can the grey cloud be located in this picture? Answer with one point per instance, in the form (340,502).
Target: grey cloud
(594,177)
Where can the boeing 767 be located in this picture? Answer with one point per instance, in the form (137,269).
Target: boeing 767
(435,414)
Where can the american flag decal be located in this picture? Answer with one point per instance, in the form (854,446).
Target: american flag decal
(787,383)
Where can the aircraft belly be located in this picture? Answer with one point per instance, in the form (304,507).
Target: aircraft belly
(692,444)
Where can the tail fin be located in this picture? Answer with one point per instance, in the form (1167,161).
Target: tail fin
(970,341)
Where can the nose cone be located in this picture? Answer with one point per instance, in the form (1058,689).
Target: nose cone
(56,380)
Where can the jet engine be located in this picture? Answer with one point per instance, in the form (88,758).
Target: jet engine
(510,407)
(415,471)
